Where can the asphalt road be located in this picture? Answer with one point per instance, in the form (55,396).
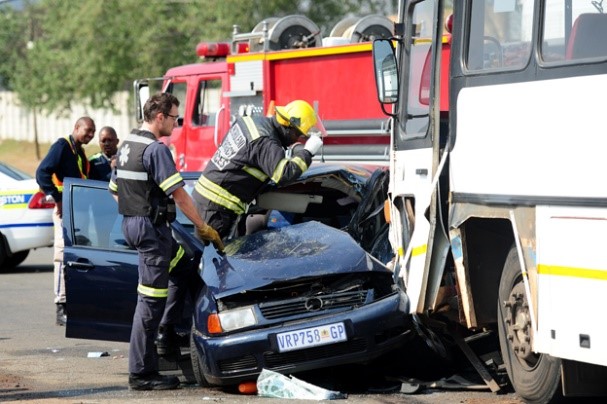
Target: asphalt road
(38,364)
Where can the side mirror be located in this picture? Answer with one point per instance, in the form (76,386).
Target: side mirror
(142,93)
(386,73)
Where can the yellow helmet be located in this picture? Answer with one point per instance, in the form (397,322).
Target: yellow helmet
(298,114)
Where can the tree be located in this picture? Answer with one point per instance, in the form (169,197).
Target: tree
(87,50)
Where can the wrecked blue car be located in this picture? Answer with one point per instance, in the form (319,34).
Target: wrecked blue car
(305,288)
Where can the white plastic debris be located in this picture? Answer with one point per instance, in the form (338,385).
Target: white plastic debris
(97,354)
(276,385)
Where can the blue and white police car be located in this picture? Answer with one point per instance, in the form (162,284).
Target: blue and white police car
(26,217)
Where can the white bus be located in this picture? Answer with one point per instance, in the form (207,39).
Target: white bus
(498,195)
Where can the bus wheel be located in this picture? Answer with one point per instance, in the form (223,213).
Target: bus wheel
(535,377)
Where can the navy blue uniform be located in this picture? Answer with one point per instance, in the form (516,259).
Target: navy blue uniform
(144,178)
(251,154)
(62,160)
(101,167)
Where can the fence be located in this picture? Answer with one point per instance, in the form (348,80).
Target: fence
(17,123)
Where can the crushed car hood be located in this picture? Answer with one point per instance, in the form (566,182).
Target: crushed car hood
(310,249)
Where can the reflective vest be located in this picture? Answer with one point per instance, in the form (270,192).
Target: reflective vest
(138,194)
(83,164)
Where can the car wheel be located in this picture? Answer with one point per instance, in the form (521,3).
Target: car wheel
(198,363)
(16,259)
(535,377)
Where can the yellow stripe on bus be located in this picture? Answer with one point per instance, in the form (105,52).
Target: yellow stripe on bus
(420,250)
(572,272)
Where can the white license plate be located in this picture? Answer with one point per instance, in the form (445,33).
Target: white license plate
(310,337)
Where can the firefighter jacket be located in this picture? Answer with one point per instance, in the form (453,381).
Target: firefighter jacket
(138,193)
(251,154)
(63,160)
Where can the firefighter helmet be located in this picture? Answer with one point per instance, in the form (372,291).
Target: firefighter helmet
(300,115)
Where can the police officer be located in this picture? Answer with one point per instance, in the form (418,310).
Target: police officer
(147,186)
(252,153)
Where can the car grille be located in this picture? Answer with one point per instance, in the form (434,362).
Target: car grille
(312,304)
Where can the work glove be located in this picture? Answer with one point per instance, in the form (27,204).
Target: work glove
(313,144)
(208,233)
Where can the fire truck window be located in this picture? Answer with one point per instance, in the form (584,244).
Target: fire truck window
(208,103)
(178,89)
(573,33)
(500,33)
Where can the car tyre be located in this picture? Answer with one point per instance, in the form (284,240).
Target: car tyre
(15,259)
(535,377)
(198,362)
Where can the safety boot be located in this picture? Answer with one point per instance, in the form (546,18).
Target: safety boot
(167,341)
(152,381)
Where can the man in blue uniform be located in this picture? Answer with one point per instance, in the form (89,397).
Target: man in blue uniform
(147,186)
(65,158)
(103,161)
(252,153)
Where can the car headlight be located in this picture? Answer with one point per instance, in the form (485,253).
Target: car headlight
(231,320)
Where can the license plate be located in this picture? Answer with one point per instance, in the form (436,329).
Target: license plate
(311,337)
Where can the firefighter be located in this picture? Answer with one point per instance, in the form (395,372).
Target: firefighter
(147,186)
(65,158)
(252,153)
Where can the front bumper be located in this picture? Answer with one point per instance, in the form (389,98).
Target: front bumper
(372,330)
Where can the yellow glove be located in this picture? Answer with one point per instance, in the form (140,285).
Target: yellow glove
(210,234)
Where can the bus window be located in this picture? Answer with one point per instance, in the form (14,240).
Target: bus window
(500,34)
(573,33)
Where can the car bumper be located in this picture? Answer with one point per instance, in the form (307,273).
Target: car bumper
(372,330)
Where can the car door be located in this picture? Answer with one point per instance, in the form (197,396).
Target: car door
(100,268)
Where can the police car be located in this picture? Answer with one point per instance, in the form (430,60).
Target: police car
(26,220)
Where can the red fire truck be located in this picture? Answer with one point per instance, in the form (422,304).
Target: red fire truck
(279,61)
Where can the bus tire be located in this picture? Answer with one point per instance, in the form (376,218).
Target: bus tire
(535,377)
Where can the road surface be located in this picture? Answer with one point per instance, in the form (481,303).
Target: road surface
(38,364)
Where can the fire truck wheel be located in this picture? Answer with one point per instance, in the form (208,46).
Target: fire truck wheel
(198,362)
(535,377)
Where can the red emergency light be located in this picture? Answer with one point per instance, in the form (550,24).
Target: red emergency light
(213,49)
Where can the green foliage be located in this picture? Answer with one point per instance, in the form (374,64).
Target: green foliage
(86,50)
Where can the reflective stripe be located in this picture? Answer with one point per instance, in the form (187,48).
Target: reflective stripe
(220,196)
(152,292)
(175,260)
(280,168)
(139,139)
(251,127)
(132,175)
(113,186)
(255,172)
(169,182)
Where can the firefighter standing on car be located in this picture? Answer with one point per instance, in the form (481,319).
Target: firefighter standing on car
(147,186)
(252,153)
